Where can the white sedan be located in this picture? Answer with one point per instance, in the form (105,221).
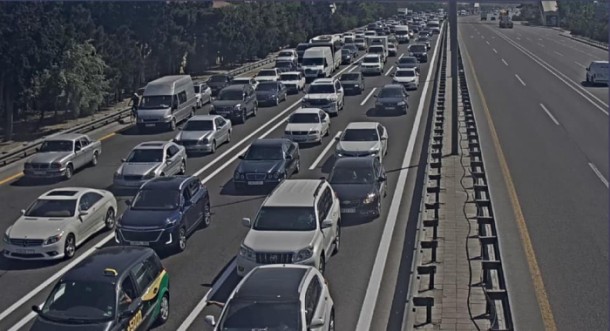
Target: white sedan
(266,75)
(407,77)
(59,221)
(293,80)
(307,125)
(363,139)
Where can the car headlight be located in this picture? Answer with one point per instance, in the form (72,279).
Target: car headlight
(204,141)
(6,238)
(402,103)
(212,107)
(247,253)
(303,254)
(277,175)
(53,239)
(370,198)
(117,174)
(238,175)
(27,165)
(170,222)
(56,165)
(314,131)
(356,85)
(272,96)
(237,106)
(168,116)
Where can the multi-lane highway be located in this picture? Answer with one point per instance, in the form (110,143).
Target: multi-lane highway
(552,130)
(357,278)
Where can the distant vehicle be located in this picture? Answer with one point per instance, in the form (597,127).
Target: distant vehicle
(167,101)
(353,48)
(352,82)
(483,16)
(218,82)
(164,213)
(361,43)
(236,102)
(265,75)
(149,160)
(372,63)
(284,66)
(402,34)
(112,289)
(317,62)
(333,43)
(379,50)
(267,162)
(61,155)
(408,62)
(360,183)
(326,94)
(287,55)
(293,80)
(58,222)
(392,50)
(424,40)
(392,97)
(204,133)
(434,26)
(362,139)
(203,93)
(347,56)
(244,81)
(271,93)
(300,49)
(419,51)
(597,72)
(407,77)
(505,20)
(277,295)
(307,125)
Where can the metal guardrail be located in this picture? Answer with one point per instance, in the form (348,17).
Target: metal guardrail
(29,148)
(587,41)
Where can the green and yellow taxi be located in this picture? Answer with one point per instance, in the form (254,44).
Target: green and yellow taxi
(115,288)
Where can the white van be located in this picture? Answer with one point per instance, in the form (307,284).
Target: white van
(597,72)
(317,62)
(166,102)
(402,33)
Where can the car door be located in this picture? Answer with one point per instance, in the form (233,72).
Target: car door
(173,159)
(144,274)
(281,91)
(250,99)
(383,136)
(222,129)
(339,91)
(325,211)
(78,160)
(188,211)
(87,149)
(320,301)
(325,121)
(90,215)
(196,212)
(129,300)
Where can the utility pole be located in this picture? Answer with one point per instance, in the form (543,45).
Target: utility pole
(454,75)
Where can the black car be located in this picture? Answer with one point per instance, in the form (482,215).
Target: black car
(218,82)
(270,93)
(353,48)
(267,162)
(424,40)
(285,66)
(352,82)
(164,212)
(392,97)
(235,102)
(347,56)
(115,288)
(408,62)
(419,51)
(360,184)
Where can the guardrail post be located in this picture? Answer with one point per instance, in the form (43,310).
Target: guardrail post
(427,302)
(429,270)
(431,244)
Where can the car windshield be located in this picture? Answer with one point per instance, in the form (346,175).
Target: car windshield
(247,315)
(80,302)
(407,60)
(145,155)
(344,175)
(285,53)
(390,93)
(57,146)
(231,95)
(405,73)
(267,87)
(241,81)
(156,199)
(376,50)
(52,208)
(359,40)
(218,79)
(422,39)
(289,77)
(304,118)
(197,89)
(417,48)
(262,152)
(266,73)
(350,76)
(321,89)
(360,135)
(313,61)
(156,101)
(371,60)
(199,125)
(285,219)
(346,51)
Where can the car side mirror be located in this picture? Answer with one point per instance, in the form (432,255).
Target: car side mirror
(588,69)
(317,322)
(246,222)
(83,213)
(241,157)
(210,320)
(36,309)
(327,223)
(123,160)
(38,149)
(288,157)
(77,148)
(22,211)
(384,138)
(168,160)
(382,179)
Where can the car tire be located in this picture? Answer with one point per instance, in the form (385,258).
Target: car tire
(207,215)
(69,171)
(377,211)
(297,168)
(277,101)
(182,170)
(229,137)
(110,220)
(163,310)
(69,246)
(337,239)
(243,117)
(94,159)
(192,113)
(322,264)
(181,239)
(172,125)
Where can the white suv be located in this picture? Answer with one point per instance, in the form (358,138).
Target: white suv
(326,94)
(371,64)
(298,223)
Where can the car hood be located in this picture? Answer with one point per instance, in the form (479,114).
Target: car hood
(303,126)
(37,227)
(262,166)
(389,100)
(265,78)
(49,157)
(226,103)
(193,135)
(352,191)
(139,168)
(404,79)
(285,58)
(291,82)
(358,146)
(318,96)
(279,241)
(146,218)
(45,325)
(349,82)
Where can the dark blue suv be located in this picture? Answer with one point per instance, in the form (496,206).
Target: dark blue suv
(164,212)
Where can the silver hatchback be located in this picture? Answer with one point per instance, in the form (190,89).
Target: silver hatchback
(203,133)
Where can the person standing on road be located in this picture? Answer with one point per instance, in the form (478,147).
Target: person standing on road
(135,103)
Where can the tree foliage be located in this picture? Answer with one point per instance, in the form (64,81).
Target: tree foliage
(586,18)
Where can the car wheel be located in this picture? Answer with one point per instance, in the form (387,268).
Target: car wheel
(297,168)
(213,149)
(163,310)
(94,159)
(109,221)
(182,168)
(69,246)
(192,113)
(181,240)
(229,137)
(243,117)
(337,239)
(207,215)
(322,264)
(198,104)
(172,125)
(69,171)
(277,101)
(377,211)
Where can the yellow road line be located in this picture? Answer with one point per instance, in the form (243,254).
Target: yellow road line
(541,295)
(10,178)
(107,136)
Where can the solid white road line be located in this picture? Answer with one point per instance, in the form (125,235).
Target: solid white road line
(401,55)
(541,45)
(550,115)
(368,96)
(487,42)
(23,321)
(599,174)
(505,63)
(580,65)
(495,51)
(204,301)
(321,156)
(389,70)
(556,52)
(520,80)
(352,69)
(372,291)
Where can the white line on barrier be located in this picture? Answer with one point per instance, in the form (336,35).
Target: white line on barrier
(580,65)
(505,63)
(368,96)
(495,51)
(599,174)
(389,70)
(372,291)
(321,156)
(550,115)
(352,69)
(520,80)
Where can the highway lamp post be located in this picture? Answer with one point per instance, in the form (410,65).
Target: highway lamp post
(454,75)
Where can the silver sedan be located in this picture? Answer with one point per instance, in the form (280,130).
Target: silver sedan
(204,133)
(149,160)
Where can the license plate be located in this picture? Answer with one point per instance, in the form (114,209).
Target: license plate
(298,138)
(149,125)
(138,243)
(25,251)
(348,210)
(258,182)
(390,108)
(39,173)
